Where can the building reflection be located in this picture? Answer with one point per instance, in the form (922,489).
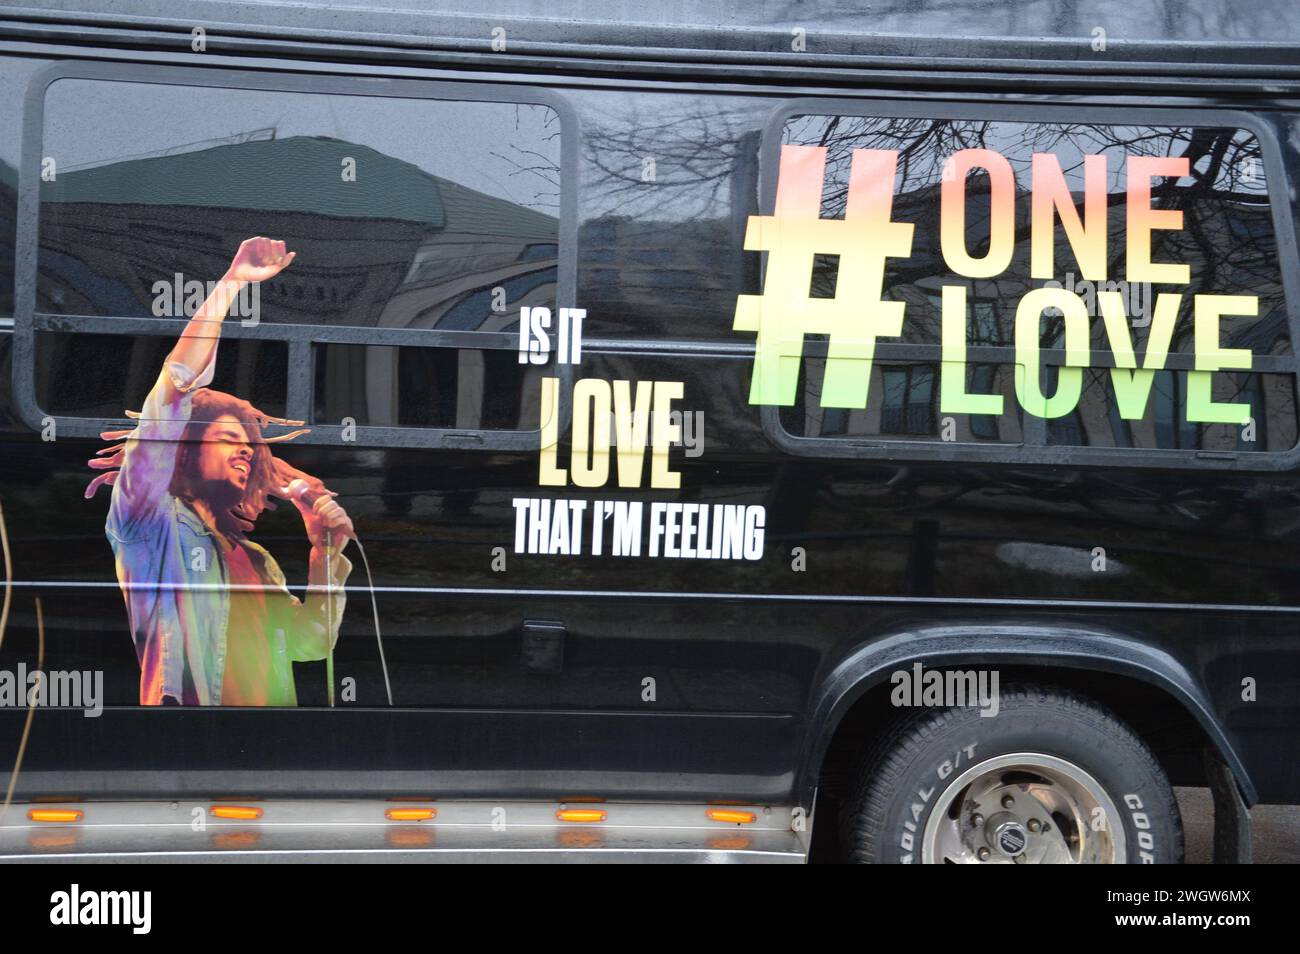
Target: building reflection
(391,247)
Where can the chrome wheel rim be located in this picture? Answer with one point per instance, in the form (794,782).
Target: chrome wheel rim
(1024,808)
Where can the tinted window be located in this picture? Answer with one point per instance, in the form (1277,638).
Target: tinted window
(405,213)
(462,388)
(102,376)
(1208,213)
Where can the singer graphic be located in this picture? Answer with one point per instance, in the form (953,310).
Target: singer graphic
(212,619)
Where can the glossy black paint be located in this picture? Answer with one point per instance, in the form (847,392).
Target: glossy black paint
(754,664)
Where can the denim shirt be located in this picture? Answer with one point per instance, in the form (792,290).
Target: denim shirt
(173,575)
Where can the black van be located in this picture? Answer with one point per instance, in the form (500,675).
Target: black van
(782,434)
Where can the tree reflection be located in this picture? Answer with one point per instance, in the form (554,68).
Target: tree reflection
(1227,239)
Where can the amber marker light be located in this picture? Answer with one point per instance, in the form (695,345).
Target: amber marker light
(410,814)
(581,815)
(236,812)
(730,815)
(64,815)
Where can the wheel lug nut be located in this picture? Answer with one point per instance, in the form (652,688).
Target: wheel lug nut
(984,854)
(1008,801)
(1033,825)
(976,820)
(1046,827)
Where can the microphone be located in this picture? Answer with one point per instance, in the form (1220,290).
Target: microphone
(300,490)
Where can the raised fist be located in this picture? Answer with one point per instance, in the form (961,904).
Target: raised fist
(259,259)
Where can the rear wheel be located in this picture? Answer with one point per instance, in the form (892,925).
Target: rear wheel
(1052,778)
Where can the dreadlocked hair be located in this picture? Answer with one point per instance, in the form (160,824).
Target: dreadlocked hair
(268,475)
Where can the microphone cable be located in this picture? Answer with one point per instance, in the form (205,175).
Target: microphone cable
(374,607)
(296,489)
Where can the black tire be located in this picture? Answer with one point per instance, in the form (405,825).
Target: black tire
(884,816)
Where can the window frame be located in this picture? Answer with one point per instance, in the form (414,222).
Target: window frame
(300,339)
(1034,448)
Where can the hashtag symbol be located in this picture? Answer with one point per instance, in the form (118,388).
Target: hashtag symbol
(856,316)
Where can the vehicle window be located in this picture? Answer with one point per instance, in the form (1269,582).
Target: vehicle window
(1170,228)
(405,213)
(100,376)
(461,388)
(421,226)
(15,74)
